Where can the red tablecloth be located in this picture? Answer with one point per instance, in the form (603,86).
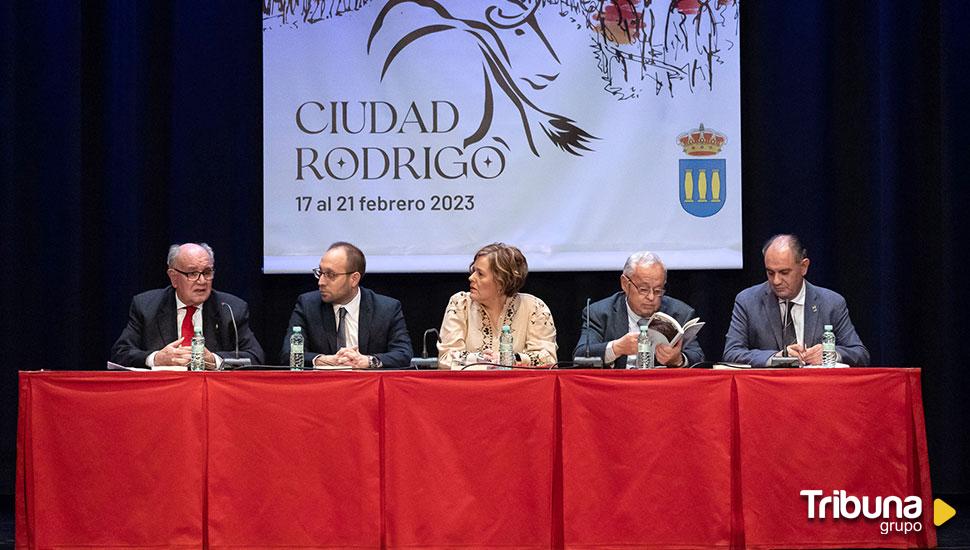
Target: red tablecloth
(662,459)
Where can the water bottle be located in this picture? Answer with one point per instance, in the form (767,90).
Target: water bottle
(198,350)
(506,357)
(296,349)
(828,347)
(644,350)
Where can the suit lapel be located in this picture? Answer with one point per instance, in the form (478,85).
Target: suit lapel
(619,325)
(364,321)
(210,324)
(772,312)
(167,318)
(810,317)
(329,328)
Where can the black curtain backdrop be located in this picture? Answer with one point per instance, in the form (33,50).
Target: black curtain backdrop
(127,126)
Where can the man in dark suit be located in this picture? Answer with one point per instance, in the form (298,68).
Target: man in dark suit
(786,315)
(161,322)
(613,322)
(345,324)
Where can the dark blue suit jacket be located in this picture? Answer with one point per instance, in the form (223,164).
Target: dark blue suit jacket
(755,333)
(152,326)
(608,321)
(381,331)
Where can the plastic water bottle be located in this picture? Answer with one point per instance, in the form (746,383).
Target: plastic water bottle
(506,357)
(198,350)
(296,349)
(828,347)
(644,350)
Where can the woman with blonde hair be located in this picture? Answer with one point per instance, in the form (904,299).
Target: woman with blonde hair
(473,320)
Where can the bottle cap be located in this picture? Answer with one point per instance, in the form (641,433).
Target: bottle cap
(506,328)
(828,327)
(297,330)
(198,331)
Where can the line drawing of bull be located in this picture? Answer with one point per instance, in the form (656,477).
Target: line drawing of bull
(512,15)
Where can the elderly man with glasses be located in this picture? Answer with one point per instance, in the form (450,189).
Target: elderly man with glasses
(346,325)
(161,322)
(614,321)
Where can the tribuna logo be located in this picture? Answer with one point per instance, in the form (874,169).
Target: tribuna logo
(840,505)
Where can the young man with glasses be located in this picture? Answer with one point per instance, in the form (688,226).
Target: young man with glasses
(614,321)
(786,315)
(161,322)
(344,324)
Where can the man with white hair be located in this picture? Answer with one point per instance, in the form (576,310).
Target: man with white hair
(614,321)
(161,322)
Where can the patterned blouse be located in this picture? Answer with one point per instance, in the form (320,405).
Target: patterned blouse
(466,330)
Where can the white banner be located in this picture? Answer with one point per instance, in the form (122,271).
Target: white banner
(577,130)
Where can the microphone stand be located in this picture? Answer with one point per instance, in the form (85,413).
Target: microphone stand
(587,362)
(425,362)
(236,362)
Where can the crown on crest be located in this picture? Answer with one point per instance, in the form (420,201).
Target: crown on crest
(702,142)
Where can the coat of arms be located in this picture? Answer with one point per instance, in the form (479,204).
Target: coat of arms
(703,180)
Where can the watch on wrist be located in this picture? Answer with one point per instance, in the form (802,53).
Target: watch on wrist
(374,363)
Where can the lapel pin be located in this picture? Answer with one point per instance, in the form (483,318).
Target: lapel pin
(814,308)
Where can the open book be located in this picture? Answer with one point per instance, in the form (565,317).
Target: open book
(664,329)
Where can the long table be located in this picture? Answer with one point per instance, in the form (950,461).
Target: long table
(511,459)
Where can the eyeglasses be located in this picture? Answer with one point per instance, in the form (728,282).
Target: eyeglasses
(207,274)
(646,292)
(330,275)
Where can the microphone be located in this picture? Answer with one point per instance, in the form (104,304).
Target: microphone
(426,362)
(236,362)
(587,362)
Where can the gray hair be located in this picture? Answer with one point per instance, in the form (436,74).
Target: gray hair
(173,253)
(792,241)
(643,258)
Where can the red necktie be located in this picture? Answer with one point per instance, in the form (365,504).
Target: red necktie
(188,329)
